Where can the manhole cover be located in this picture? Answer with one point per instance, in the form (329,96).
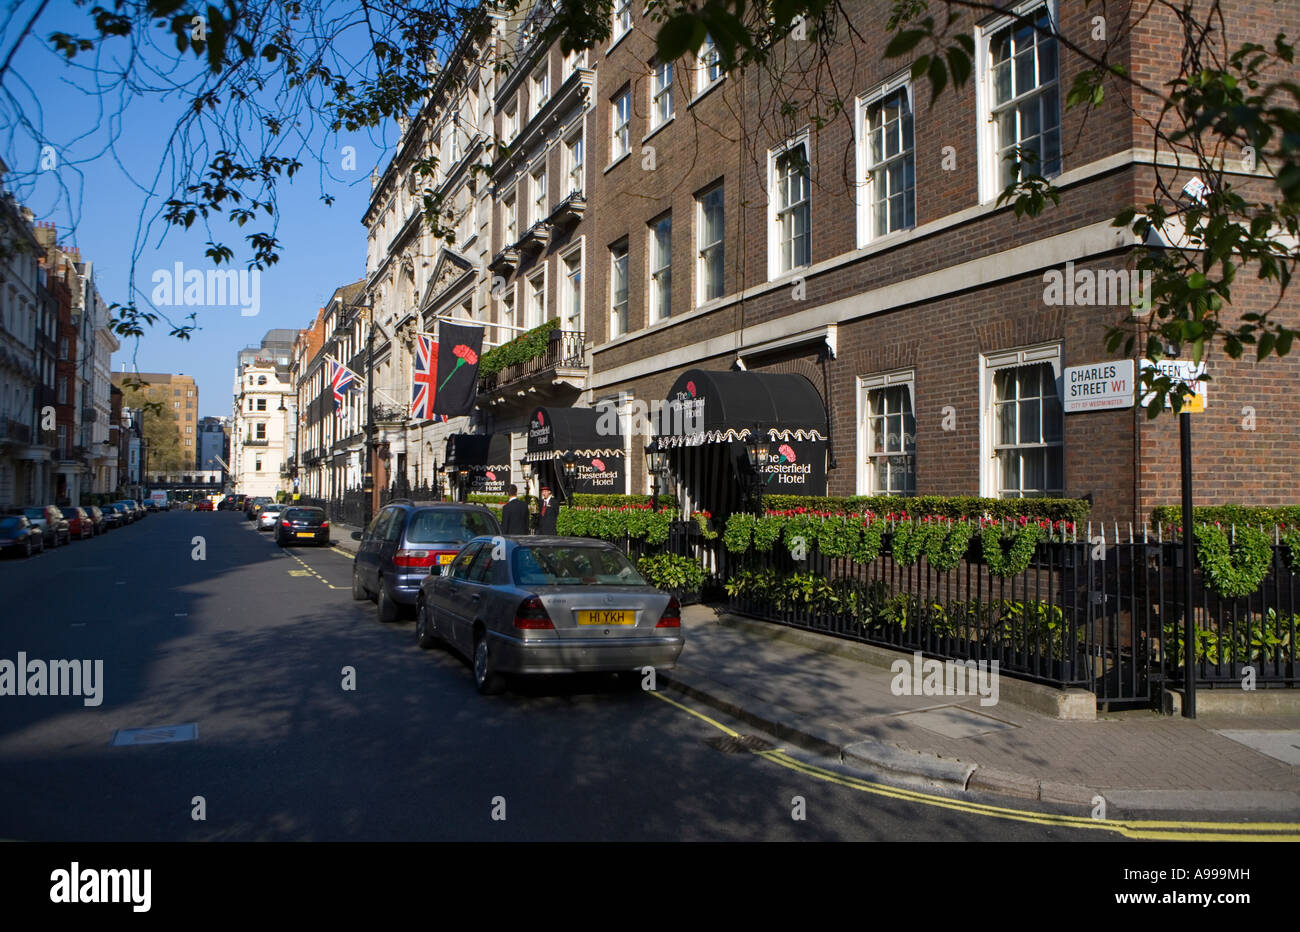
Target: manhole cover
(738,745)
(956,722)
(159,734)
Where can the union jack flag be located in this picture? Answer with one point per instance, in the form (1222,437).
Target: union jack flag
(422,382)
(342,382)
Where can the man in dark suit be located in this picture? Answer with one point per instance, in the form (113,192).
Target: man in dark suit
(550,510)
(514,514)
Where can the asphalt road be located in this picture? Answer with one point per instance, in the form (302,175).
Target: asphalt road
(250,645)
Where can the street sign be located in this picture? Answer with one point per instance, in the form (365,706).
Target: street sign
(1099,386)
(1186,371)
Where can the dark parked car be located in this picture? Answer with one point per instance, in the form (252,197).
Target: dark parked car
(97,520)
(79,525)
(112,518)
(407,540)
(548,605)
(19,535)
(303,524)
(53,526)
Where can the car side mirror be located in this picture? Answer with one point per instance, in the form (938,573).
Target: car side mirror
(356,535)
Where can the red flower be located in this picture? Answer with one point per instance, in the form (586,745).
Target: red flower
(465,353)
(690,387)
(598,465)
(787,451)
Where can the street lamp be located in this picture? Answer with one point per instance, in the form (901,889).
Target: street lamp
(656,465)
(570,466)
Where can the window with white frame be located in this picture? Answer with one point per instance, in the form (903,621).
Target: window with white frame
(1024,423)
(888,163)
(622,18)
(710,65)
(259,432)
(661,95)
(573,163)
(620,126)
(1023,98)
(571,297)
(536,308)
(789,199)
(539,204)
(507,315)
(510,123)
(540,86)
(576,59)
(510,208)
(709,249)
(452,142)
(618,289)
(661,268)
(888,437)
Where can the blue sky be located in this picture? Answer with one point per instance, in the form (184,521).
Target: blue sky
(323,246)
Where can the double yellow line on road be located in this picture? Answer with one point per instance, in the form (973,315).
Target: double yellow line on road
(1137,829)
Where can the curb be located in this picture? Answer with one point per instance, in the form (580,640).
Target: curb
(895,762)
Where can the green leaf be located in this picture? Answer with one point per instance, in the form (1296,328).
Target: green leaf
(903,42)
(680,34)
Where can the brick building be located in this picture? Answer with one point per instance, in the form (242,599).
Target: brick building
(844,283)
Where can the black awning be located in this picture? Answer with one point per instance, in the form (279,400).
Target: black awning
(717,407)
(479,451)
(553,432)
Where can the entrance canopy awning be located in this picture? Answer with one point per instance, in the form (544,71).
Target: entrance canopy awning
(584,432)
(479,451)
(725,407)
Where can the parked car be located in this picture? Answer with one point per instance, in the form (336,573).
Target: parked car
(267,516)
(404,542)
(19,535)
(97,520)
(255,505)
(301,524)
(79,525)
(548,605)
(112,516)
(204,504)
(53,526)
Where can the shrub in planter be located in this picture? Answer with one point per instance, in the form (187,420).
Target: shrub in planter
(1233,568)
(1009,561)
(669,571)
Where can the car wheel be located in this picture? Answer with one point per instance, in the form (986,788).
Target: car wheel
(56,540)
(488,682)
(387,608)
(424,635)
(29,546)
(358,590)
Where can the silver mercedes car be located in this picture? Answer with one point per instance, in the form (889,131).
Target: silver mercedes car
(547,605)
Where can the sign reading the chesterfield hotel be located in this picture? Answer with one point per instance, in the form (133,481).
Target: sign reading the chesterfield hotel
(1099,386)
(795,468)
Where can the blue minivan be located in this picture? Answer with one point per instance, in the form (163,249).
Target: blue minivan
(405,542)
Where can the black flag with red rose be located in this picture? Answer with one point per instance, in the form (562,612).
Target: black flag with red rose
(458,352)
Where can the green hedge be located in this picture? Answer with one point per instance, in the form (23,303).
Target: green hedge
(521,349)
(946,506)
(1248,515)
(592,500)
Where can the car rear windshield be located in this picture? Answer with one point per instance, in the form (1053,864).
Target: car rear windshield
(70,513)
(305,514)
(561,565)
(35,513)
(8,524)
(445,525)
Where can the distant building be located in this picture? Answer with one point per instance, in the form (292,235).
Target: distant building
(214,443)
(182,393)
(265,416)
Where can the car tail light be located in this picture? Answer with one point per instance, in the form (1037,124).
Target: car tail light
(414,558)
(324,524)
(284,524)
(531,615)
(672,616)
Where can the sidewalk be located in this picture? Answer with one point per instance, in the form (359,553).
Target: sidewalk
(783,681)
(341,537)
